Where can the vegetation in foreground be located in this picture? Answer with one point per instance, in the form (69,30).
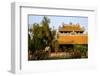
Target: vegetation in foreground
(43,44)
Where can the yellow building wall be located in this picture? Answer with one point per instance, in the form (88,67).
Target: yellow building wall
(73,39)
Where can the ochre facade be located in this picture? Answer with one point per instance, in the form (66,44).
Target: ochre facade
(72,34)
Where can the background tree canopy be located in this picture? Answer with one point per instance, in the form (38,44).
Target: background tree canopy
(41,35)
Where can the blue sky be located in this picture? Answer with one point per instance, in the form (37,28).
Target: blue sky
(56,21)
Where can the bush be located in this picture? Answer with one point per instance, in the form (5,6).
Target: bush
(40,55)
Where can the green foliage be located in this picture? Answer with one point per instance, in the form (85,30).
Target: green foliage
(81,48)
(42,36)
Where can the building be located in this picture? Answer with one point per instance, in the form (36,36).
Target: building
(72,34)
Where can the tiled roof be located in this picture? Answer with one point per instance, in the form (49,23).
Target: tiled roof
(71,27)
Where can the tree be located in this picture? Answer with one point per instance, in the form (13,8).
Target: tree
(46,30)
(42,36)
(37,36)
(82,49)
(49,34)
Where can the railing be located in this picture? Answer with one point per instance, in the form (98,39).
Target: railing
(70,34)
